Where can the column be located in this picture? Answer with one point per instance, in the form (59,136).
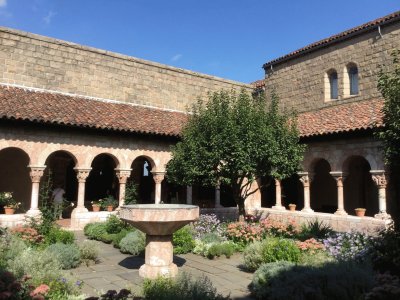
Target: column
(339,177)
(306,178)
(122,176)
(36,173)
(217,196)
(189,195)
(81,174)
(379,178)
(278,196)
(158,177)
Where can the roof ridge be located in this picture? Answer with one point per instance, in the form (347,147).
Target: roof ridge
(335,38)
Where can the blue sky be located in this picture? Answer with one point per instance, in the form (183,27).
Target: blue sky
(225,38)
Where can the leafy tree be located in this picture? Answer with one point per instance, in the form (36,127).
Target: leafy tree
(234,139)
(131,192)
(389,86)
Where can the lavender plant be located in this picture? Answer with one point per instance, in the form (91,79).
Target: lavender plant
(207,224)
(348,245)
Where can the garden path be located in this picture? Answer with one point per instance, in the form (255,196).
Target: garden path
(116,271)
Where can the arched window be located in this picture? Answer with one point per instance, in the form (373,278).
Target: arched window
(333,84)
(353,79)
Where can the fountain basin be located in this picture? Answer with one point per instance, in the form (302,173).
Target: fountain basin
(159,222)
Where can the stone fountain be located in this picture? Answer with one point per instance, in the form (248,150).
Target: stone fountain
(159,222)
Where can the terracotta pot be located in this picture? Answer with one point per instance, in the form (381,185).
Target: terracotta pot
(9,210)
(360,212)
(110,208)
(292,207)
(96,207)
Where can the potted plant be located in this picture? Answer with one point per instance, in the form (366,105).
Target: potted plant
(109,203)
(360,212)
(9,203)
(292,207)
(96,205)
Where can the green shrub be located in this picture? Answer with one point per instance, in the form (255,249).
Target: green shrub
(11,246)
(119,236)
(211,237)
(182,288)
(183,240)
(42,266)
(107,237)
(114,224)
(264,274)
(95,230)
(276,249)
(89,251)
(314,229)
(345,281)
(133,243)
(252,256)
(68,255)
(218,249)
(58,235)
(318,258)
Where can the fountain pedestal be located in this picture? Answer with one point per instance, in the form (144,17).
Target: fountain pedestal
(159,222)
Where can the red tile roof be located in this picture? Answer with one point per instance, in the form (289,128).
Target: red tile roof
(258,84)
(344,117)
(55,108)
(337,37)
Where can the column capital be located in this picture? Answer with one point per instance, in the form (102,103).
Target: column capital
(379,178)
(36,172)
(306,178)
(123,174)
(158,176)
(339,176)
(82,174)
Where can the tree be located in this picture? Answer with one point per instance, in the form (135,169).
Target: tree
(234,139)
(389,86)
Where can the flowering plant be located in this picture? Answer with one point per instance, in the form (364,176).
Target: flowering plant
(7,200)
(244,233)
(207,224)
(310,246)
(28,234)
(97,202)
(109,201)
(280,229)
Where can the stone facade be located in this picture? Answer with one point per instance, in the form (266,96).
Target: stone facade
(40,62)
(300,81)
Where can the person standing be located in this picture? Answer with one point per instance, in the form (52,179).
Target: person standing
(58,198)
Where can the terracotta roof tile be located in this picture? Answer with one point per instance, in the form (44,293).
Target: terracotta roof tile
(341,118)
(54,108)
(337,37)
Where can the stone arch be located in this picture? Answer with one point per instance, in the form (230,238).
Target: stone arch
(14,175)
(61,165)
(359,189)
(323,191)
(142,177)
(102,180)
(350,79)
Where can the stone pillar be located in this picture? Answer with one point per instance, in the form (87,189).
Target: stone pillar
(82,174)
(217,195)
(306,178)
(278,196)
(36,173)
(189,195)
(339,177)
(379,178)
(158,177)
(122,176)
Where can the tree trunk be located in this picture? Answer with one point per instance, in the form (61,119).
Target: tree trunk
(240,202)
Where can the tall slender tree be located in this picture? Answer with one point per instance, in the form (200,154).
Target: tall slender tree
(234,139)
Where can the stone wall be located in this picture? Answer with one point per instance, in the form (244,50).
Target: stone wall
(300,82)
(36,61)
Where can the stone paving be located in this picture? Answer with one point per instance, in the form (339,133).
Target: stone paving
(117,271)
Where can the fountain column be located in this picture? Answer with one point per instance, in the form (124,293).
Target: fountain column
(36,173)
(158,177)
(122,176)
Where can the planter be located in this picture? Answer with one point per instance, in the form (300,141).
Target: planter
(96,207)
(109,208)
(360,212)
(9,210)
(292,207)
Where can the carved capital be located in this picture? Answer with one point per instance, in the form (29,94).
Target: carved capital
(82,174)
(123,175)
(158,177)
(379,178)
(339,177)
(36,173)
(306,178)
